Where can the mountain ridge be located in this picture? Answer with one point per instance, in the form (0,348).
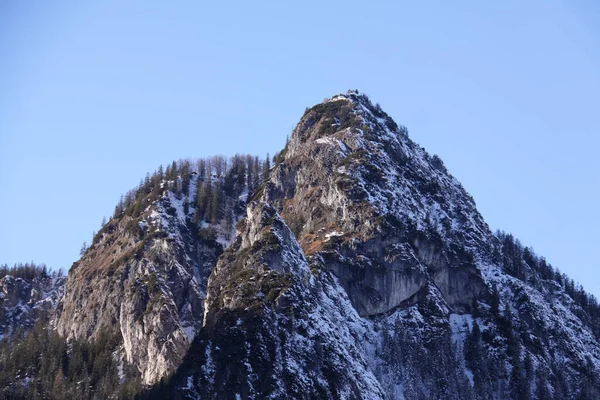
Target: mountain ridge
(360,268)
(476,331)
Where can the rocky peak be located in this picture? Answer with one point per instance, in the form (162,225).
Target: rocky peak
(360,269)
(144,278)
(350,111)
(407,284)
(390,219)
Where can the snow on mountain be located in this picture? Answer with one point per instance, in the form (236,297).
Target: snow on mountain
(26,300)
(144,278)
(357,267)
(425,301)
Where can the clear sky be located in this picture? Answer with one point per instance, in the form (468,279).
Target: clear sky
(94,94)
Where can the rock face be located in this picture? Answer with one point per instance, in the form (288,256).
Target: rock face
(365,271)
(274,329)
(23,302)
(360,269)
(377,206)
(144,279)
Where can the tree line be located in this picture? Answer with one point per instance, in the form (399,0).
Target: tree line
(28,271)
(40,364)
(523,263)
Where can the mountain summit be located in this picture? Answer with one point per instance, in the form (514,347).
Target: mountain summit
(400,222)
(354,267)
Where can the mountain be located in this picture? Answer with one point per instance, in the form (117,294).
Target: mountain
(355,267)
(28,294)
(144,278)
(391,286)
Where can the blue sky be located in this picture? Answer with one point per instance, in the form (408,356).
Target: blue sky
(95,94)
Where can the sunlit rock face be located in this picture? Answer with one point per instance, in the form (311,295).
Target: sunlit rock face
(364,270)
(144,280)
(359,269)
(387,217)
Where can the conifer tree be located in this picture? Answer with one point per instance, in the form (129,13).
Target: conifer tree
(173,171)
(201,170)
(249,173)
(257,173)
(266,168)
(83,249)
(215,205)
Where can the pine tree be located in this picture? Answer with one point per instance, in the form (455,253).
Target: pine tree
(257,173)
(240,174)
(168,173)
(147,182)
(119,208)
(220,165)
(203,200)
(249,173)
(83,249)
(201,170)
(266,168)
(215,205)
(186,170)
(174,171)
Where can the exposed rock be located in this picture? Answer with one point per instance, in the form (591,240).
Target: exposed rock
(350,173)
(146,284)
(23,302)
(409,294)
(361,270)
(272,329)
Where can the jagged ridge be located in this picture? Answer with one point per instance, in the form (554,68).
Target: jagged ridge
(362,269)
(380,219)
